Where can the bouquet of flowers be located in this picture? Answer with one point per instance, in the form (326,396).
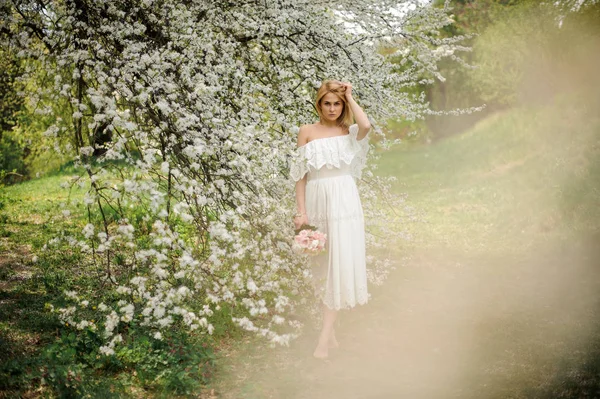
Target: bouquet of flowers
(309,241)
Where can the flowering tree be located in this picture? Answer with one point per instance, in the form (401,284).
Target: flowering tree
(574,5)
(564,7)
(183,116)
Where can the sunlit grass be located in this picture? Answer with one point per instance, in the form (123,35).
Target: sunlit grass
(512,180)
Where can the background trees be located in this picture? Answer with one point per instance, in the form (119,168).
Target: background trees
(11,153)
(524,51)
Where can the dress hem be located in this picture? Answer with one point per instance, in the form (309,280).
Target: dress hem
(347,306)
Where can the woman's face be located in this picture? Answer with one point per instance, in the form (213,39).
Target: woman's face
(331,106)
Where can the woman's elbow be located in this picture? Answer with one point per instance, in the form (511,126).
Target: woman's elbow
(301,182)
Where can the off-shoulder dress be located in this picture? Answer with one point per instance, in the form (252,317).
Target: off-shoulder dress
(333,205)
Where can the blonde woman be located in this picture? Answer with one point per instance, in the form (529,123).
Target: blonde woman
(330,155)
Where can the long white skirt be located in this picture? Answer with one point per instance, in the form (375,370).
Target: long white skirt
(333,206)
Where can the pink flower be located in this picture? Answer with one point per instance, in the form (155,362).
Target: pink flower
(309,242)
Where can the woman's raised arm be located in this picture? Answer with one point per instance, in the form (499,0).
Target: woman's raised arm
(359,115)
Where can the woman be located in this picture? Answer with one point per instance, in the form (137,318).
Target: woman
(330,154)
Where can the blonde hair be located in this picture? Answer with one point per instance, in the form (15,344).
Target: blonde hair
(346,118)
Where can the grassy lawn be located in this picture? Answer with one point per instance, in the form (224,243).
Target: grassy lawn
(495,296)
(512,181)
(30,215)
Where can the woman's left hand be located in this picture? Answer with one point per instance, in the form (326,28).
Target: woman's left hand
(348,91)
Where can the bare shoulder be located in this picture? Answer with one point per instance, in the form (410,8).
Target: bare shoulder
(304,133)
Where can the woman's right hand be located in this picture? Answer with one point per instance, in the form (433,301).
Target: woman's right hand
(300,220)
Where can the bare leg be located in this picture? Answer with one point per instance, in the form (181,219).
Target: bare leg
(333,343)
(329,316)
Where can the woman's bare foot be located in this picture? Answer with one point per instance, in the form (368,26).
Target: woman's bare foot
(321,352)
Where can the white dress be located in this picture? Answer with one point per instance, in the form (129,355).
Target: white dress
(333,206)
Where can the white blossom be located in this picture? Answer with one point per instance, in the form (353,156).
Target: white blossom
(88,230)
(107,350)
(112,320)
(87,151)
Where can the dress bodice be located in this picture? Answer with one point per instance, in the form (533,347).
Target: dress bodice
(343,152)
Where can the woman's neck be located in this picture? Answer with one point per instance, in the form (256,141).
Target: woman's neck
(328,123)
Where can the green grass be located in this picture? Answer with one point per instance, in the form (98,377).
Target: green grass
(515,179)
(30,215)
(30,212)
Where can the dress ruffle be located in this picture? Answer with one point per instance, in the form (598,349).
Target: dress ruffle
(331,153)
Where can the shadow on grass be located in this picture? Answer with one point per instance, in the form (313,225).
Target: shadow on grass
(579,375)
(25,328)
(581,380)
